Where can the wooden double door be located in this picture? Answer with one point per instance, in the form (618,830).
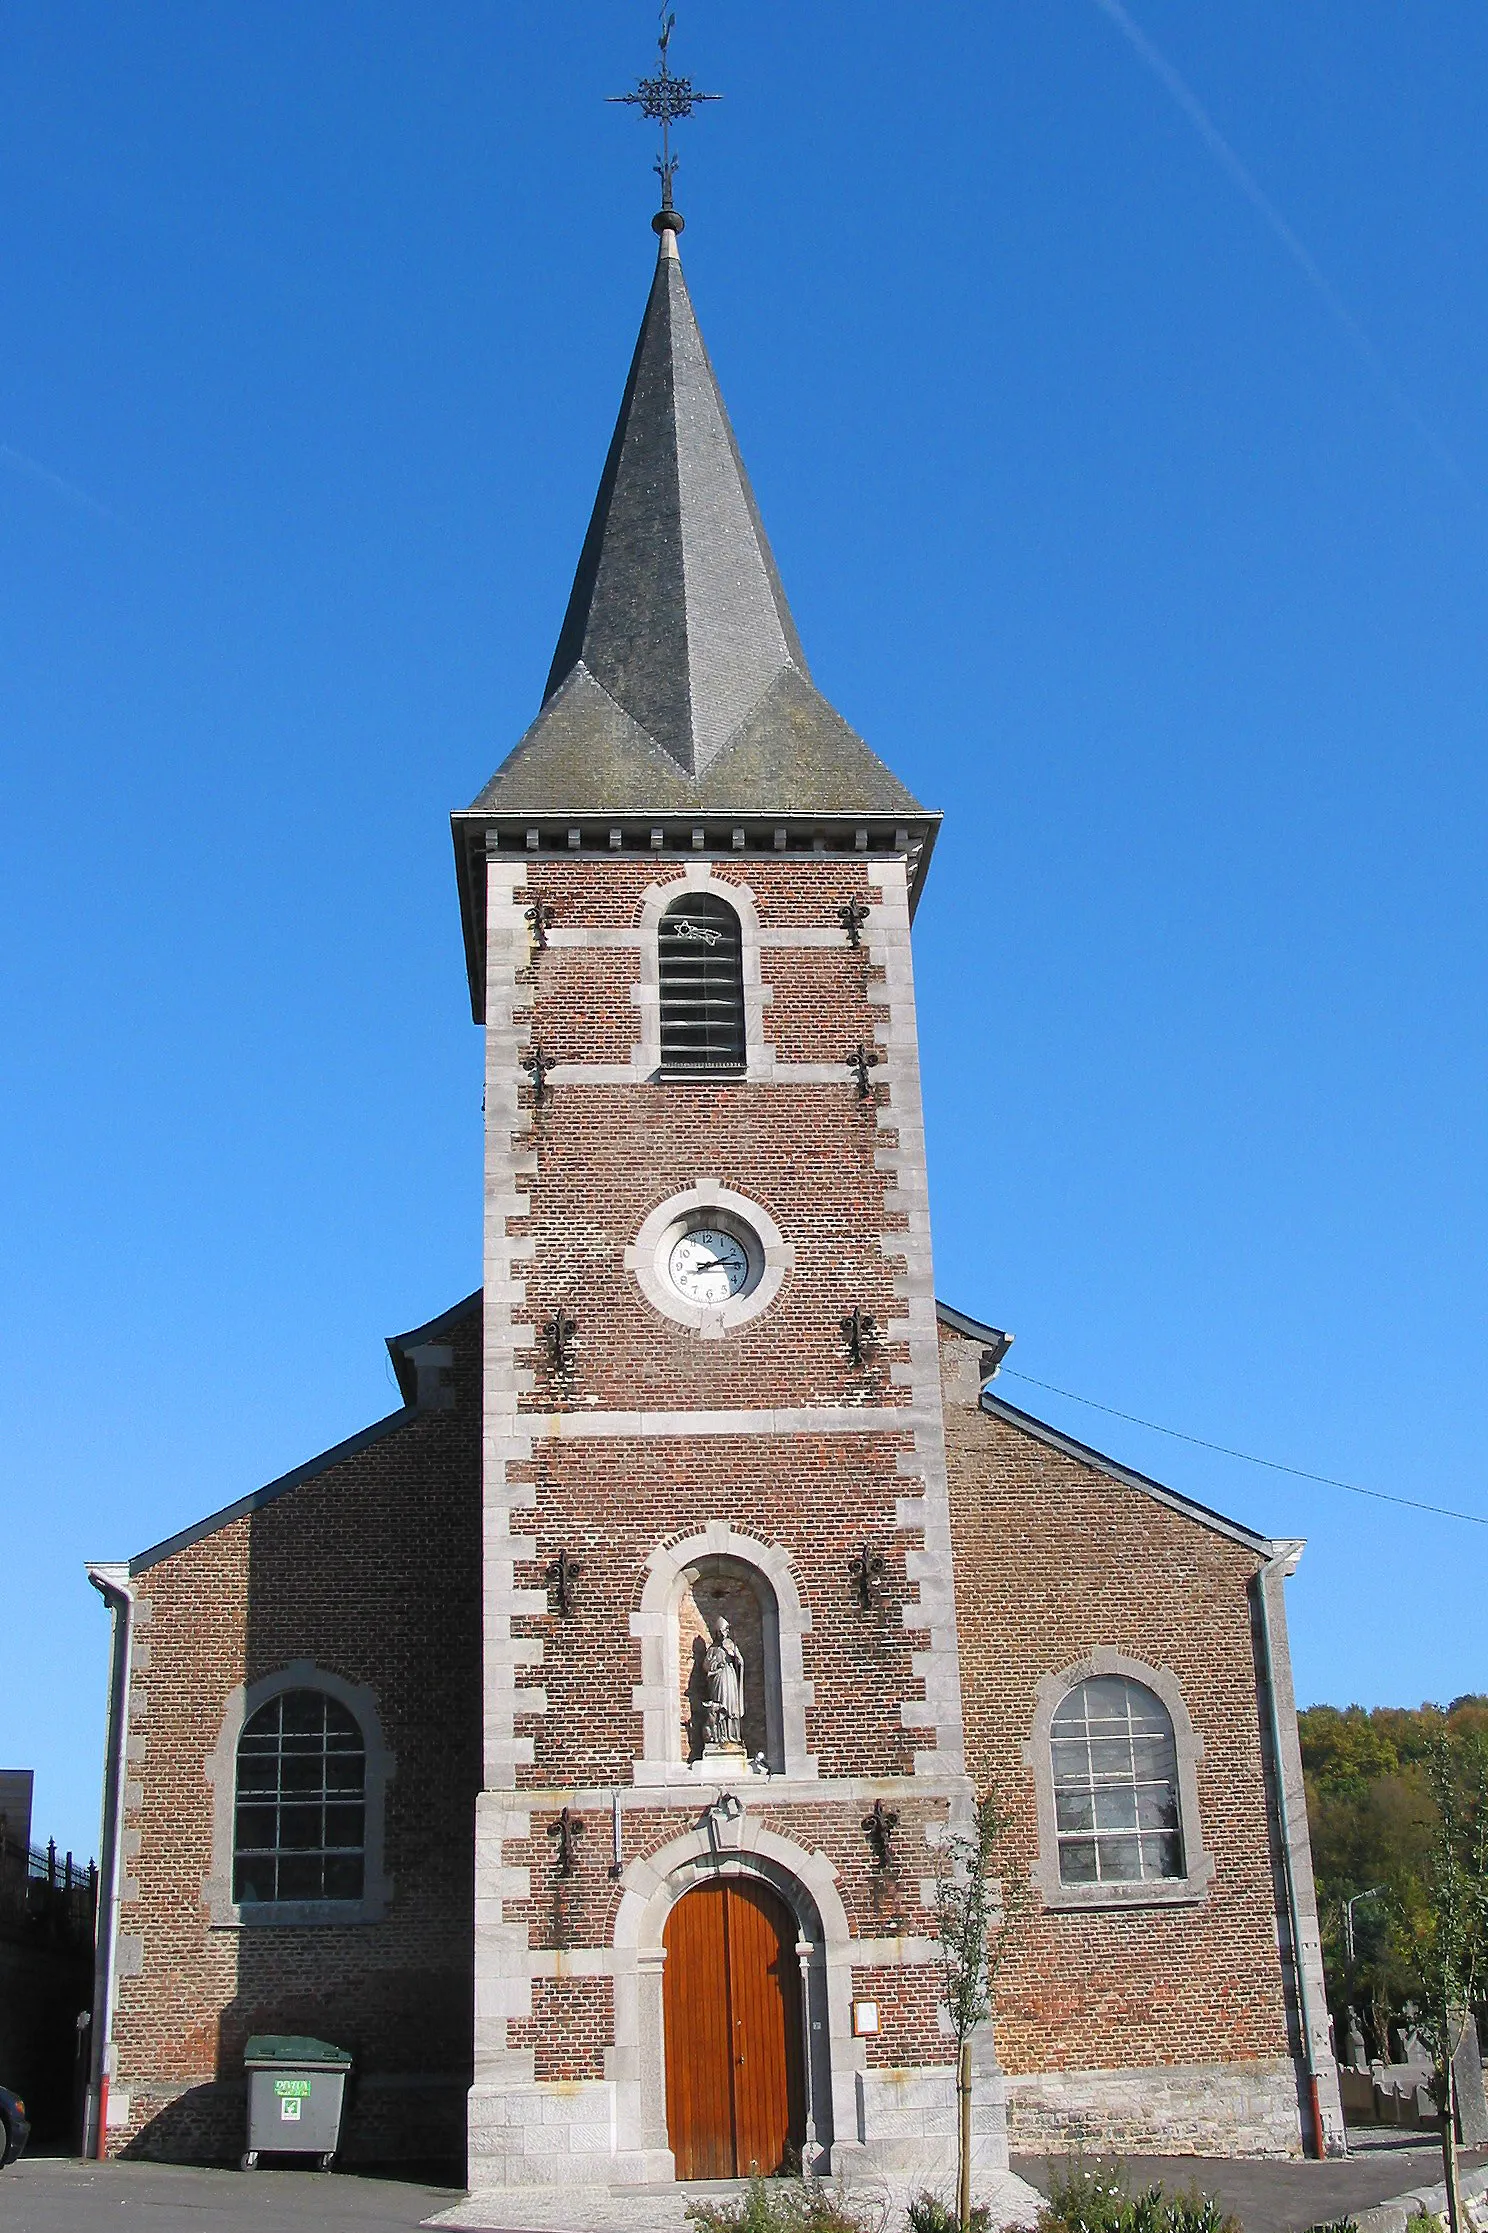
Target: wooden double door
(735,2090)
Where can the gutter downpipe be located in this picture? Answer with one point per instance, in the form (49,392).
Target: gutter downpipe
(113,1584)
(1282,1562)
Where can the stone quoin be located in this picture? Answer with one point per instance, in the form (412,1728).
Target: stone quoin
(577,1746)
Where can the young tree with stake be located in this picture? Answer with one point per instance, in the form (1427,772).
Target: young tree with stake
(976,1912)
(1450,1929)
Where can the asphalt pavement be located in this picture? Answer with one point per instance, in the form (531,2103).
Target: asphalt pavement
(1269,2197)
(55,2194)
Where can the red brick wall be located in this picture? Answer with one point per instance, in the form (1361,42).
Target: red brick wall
(372,1570)
(572,2023)
(909,2026)
(608,1155)
(1052,1560)
(611,1503)
(580,1909)
(789,894)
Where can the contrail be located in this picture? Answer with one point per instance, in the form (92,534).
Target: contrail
(1229,162)
(31,471)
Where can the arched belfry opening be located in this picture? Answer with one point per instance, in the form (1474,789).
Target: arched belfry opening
(700,966)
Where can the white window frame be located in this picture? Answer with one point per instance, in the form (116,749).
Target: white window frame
(1163,1891)
(222,1776)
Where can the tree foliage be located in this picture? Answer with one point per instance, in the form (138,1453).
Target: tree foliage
(975,1915)
(1374,1785)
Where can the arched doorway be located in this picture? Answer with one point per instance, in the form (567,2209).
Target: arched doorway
(735,2095)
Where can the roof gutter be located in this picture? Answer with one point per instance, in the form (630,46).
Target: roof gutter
(1296,1856)
(113,1584)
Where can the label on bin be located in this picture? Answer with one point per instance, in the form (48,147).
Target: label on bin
(289,2108)
(292,2089)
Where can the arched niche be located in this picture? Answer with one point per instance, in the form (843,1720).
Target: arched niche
(718,1587)
(687,1585)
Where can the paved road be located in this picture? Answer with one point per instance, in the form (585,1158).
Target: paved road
(51,2194)
(1286,2197)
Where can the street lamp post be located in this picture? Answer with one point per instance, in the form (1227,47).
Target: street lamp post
(1348,1918)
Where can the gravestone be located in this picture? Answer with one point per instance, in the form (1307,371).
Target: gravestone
(1358,2053)
(1414,2052)
(1467,2077)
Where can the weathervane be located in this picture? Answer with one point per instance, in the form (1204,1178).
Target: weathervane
(665,100)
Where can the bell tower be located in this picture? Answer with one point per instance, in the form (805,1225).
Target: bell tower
(722,1703)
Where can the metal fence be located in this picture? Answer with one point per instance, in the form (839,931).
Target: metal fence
(45,1894)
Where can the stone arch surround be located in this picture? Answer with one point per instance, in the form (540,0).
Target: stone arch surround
(654,1624)
(698,876)
(1199,1866)
(651,1888)
(221,1772)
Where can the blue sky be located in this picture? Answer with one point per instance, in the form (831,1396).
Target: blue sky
(1121,438)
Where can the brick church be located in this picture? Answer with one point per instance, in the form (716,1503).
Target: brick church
(577,1745)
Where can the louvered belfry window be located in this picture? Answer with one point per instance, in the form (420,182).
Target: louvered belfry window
(702,988)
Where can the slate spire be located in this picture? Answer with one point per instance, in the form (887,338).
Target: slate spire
(677,610)
(679,682)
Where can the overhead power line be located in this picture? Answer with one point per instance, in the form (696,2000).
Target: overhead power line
(1272,1465)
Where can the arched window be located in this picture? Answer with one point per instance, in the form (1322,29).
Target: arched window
(300,1819)
(1115,1773)
(701,970)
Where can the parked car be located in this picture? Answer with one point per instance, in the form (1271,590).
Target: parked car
(15,2130)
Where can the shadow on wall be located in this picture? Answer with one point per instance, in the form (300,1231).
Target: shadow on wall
(348,1790)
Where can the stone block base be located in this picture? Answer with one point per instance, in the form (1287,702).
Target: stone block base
(1237,2108)
(906,2126)
(530,2135)
(558,2134)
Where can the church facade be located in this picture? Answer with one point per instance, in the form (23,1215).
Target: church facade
(579,1745)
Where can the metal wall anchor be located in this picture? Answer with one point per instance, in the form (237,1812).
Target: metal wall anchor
(860,1062)
(860,1331)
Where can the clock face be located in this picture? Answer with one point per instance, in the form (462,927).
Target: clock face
(706,1266)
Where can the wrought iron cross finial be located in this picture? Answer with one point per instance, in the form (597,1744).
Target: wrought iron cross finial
(860,1062)
(852,918)
(866,1568)
(537,1065)
(558,1333)
(860,1331)
(568,1830)
(666,100)
(561,1577)
(880,1826)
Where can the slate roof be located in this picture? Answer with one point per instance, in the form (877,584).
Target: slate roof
(679,684)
